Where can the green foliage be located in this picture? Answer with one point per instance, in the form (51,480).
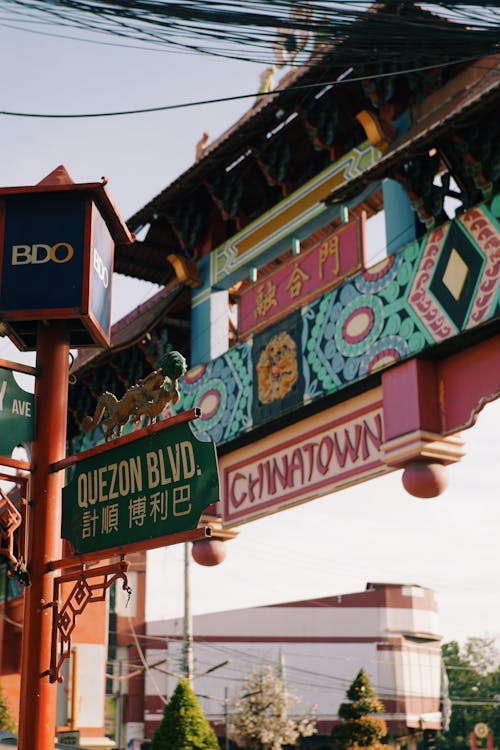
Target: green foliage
(262,719)
(184,725)
(6,720)
(360,728)
(362,697)
(473,673)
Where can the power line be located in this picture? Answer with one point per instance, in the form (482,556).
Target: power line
(297,26)
(219,100)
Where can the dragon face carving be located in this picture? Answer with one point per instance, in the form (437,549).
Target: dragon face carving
(277,370)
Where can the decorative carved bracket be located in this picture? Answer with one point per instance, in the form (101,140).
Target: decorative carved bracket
(10,521)
(89,586)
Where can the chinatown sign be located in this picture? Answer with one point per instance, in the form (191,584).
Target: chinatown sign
(144,486)
(339,447)
(339,253)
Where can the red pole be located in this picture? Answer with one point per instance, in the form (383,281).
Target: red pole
(37,718)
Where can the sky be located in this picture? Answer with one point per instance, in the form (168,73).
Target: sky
(333,545)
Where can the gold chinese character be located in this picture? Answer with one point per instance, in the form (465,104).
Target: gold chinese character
(182,500)
(136,511)
(296,281)
(329,248)
(266,299)
(109,519)
(159,506)
(89,522)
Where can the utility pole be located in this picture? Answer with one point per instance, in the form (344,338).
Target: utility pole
(188,619)
(226,718)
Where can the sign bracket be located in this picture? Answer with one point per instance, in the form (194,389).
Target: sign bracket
(88,586)
(13,531)
(10,521)
(84,558)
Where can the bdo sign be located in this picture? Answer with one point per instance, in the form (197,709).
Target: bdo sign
(57,243)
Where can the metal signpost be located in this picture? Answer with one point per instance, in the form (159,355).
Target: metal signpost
(57,242)
(146,489)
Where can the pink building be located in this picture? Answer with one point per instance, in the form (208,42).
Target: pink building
(389,629)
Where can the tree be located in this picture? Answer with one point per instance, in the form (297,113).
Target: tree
(473,673)
(6,720)
(184,725)
(359,727)
(262,720)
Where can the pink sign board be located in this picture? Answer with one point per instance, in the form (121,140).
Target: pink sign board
(303,278)
(340,447)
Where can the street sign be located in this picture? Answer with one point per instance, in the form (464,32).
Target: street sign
(16,413)
(145,488)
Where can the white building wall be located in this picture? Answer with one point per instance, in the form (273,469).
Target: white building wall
(421,673)
(411,621)
(324,643)
(386,684)
(285,622)
(317,673)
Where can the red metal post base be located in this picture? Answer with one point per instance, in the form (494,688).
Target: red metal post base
(38,694)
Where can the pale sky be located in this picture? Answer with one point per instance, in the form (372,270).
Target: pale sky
(334,545)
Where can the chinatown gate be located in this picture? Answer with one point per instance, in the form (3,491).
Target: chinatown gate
(331,365)
(318,362)
(397,358)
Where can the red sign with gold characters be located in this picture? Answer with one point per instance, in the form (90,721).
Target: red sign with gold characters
(305,276)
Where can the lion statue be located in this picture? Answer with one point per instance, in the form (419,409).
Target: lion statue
(147,398)
(277,370)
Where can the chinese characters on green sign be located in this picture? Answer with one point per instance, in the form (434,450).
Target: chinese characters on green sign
(150,487)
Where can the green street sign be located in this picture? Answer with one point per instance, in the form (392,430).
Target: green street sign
(150,487)
(16,413)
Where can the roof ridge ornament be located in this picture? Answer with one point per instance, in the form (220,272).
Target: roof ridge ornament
(58,176)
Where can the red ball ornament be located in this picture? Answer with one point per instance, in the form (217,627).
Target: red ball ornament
(209,551)
(425,479)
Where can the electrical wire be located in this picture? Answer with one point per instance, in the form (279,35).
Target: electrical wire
(145,665)
(236,97)
(297,26)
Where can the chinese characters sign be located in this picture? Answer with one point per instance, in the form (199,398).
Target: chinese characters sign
(339,447)
(302,278)
(149,487)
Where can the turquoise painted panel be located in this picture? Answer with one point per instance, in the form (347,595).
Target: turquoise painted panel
(431,291)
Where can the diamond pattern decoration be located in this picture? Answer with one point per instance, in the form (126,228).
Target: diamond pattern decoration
(457,275)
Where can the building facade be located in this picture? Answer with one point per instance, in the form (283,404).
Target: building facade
(391,630)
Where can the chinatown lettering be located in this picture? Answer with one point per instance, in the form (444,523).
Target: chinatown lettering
(137,474)
(309,462)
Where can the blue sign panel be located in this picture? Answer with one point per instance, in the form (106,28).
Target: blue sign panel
(102,271)
(43,258)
